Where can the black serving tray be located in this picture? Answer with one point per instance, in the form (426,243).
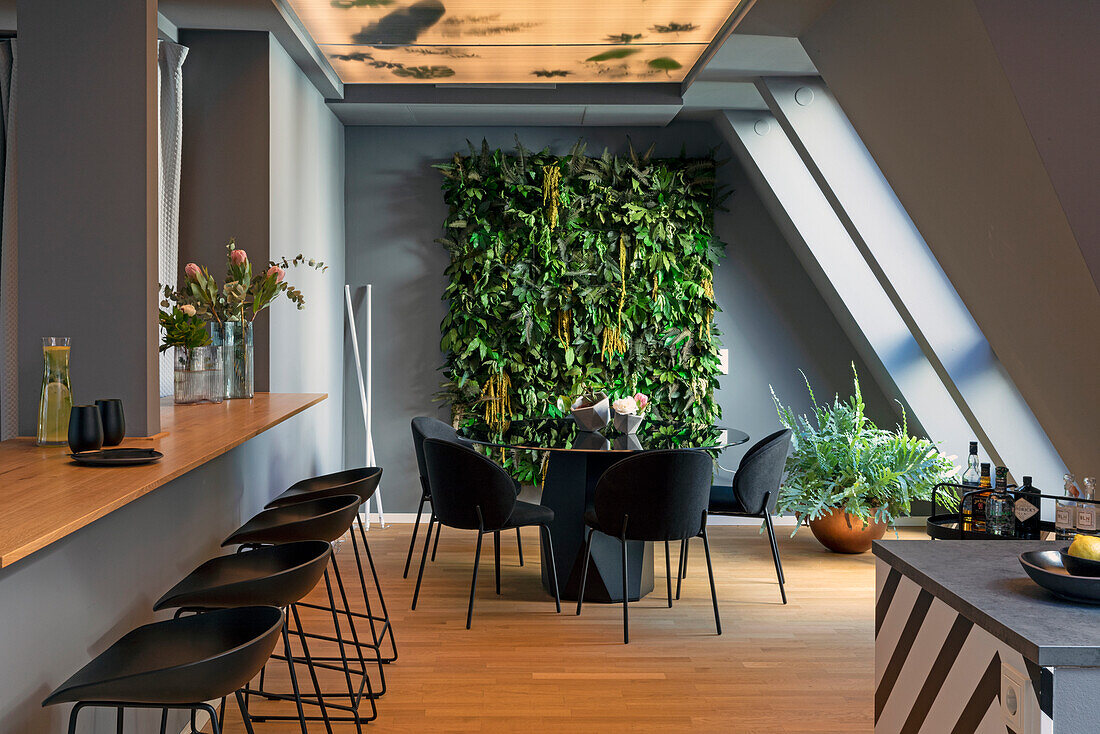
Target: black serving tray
(117,457)
(1045,568)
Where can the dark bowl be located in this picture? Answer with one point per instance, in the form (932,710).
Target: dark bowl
(1079,566)
(1045,568)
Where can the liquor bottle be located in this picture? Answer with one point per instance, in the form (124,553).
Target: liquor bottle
(998,507)
(974,506)
(1027,512)
(971,476)
(1085,522)
(1065,512)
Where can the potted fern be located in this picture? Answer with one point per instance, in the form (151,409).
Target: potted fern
(848,478)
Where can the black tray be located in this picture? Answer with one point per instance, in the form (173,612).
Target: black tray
(1045,568)
(948,527)
(117,457)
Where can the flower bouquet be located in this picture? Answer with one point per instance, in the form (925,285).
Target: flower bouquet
(229,310)
(629,412)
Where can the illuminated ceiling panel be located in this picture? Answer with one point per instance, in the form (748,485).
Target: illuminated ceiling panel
(522,41)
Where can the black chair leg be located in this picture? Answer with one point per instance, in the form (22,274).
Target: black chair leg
(119,717)
(682,573)
(310,666)
(215,725)
(243,706)
(294,679)
(584,570)
(412,541)
(377,586)
(423,559)
(775,556)
(435,546)
(668,574)
(496,557)
(164,720)
(519,546)
(473,583)
(553,565)
(713,590)
(626,601)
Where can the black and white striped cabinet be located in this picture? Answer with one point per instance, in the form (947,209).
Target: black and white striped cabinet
(965,643)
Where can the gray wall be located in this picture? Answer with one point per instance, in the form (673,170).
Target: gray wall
(71,600)
(924,87)
(307,216)
(773,320)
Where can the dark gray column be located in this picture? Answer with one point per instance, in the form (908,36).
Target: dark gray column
(87,148)
(225,174)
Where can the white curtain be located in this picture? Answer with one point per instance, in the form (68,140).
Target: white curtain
(9,265)
(170,57)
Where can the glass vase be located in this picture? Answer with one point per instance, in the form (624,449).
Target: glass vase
(235,339)
(199,375)
(56,400)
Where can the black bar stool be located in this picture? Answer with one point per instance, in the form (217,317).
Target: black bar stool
(278,576)
(177,664)
(363,482)
(327,519)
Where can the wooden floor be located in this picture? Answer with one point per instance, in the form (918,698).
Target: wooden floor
(804,667)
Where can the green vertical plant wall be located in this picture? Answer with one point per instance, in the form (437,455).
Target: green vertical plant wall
(578,272)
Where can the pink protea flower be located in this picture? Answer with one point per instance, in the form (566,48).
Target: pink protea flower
(191,270)
(277,272)
(642,400)
(238,257)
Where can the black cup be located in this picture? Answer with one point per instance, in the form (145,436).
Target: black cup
(85,429)
(114,422)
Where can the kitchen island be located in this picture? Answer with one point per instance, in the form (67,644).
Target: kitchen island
(966,642)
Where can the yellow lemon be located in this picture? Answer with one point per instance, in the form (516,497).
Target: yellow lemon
(1085,546)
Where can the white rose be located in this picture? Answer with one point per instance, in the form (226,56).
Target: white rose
(626,406)
(188,309)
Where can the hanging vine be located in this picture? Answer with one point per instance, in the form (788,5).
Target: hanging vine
(551,193)
(612,340)
(542,306)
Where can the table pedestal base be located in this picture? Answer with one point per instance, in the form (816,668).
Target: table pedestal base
(570,484)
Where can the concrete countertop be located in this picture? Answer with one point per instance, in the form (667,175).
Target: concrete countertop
(983,580)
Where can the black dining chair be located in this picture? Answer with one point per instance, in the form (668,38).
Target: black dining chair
(423,428)
(753,493)
(652,496)
(470,492)
(176,664)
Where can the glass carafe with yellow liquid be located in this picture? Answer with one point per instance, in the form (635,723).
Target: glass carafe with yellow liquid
(57,399)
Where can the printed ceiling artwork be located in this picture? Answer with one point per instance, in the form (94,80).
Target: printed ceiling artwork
(513,41)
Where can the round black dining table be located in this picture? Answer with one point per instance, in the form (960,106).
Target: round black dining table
(576,460)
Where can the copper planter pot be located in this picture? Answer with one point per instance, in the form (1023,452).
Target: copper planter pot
(843,533)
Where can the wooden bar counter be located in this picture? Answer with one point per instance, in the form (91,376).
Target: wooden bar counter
(44,496)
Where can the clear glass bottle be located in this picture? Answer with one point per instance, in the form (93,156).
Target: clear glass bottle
(999,509)
(1085,521)
(1026,509)
(56,400)
(1065,513)
(972,474)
